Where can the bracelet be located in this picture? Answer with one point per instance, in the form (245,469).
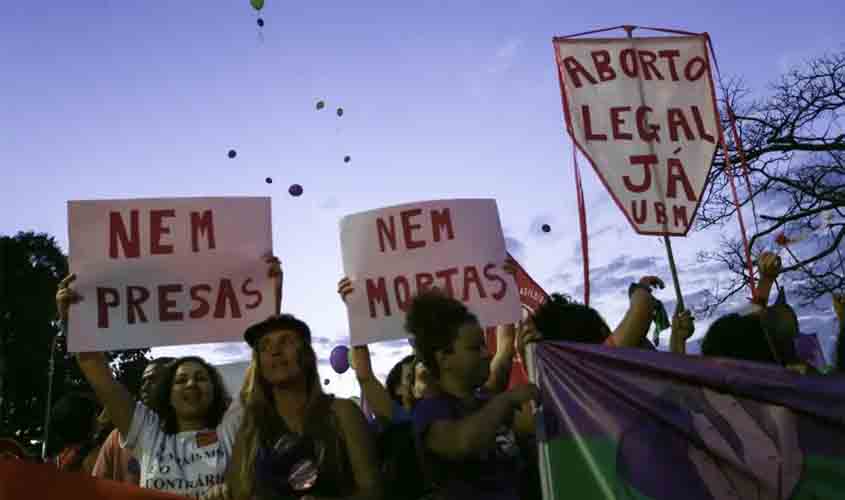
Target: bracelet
(634,287)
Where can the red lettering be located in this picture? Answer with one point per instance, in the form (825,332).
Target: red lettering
(491,276)
(442,220)
(670,56)
(680,212)
(628,62)
(386,232)
(617,121)
(202,223)
(251,293)
(202,304)
(639,218)
(471,278)
(647,131)
(408,228)
(699,124)
(695,68)
(601,60)
(573,67)
(660,212)
(647,59)
(424,282)
(588,126)
(646,161)
(677,119)
(117,232)
(106,297)
(400,285)
(677,174)
(165,304)
(377,293)
(447,275)
(226,293)
(156,230)
(133,303)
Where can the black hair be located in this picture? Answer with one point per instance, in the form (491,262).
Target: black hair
(72,420)
(276,323)
(163,360)
(745,338)
(394,378)
(434,319)
(161,395)
(561,318)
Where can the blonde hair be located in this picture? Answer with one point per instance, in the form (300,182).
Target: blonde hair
(256,398)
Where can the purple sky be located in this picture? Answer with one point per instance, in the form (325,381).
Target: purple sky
(108,99)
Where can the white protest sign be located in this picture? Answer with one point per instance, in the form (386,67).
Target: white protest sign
(157,272)
(642,110)
(392,253)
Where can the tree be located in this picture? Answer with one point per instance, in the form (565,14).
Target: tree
(31,266)
(793,142)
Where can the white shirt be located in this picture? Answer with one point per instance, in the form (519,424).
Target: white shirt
(186,463)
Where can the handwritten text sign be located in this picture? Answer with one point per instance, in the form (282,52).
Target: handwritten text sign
(158,272)
(643,111)
(393,253)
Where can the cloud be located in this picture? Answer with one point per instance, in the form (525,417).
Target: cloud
(504,57)
(330,203)
(616,276)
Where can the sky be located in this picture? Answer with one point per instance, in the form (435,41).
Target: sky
(442,99)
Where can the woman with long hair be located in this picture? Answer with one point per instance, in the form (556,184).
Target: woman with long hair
(296,441)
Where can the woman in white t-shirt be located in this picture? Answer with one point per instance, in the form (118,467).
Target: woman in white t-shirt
(184,446)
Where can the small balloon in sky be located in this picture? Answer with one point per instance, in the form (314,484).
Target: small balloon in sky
(269,180)
(232,153)
(347,159)
(546,228)
(260,22)
(295,190)
(257,4)
(321,105)
(339,112)
(326,382)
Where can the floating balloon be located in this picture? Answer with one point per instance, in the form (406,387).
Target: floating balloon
(268,180)
(257,4)
(326,382)
(339,112)
(295,190)
(347,159)
(546,228)
(339,359)
(260,22)
(320,105)
(232,153)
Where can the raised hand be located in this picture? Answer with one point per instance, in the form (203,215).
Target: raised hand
(651,282)
(361,362)
(769,265)
(344,288)
(65,296)
(683,326)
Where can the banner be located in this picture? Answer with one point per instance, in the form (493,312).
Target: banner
(24,481)
(391,254)
(637,424)
(531,296)
(157,272)
(643,111)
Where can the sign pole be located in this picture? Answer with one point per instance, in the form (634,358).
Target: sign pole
(629,30)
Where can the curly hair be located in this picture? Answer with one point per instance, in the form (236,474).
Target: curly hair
(434,320)
(561,318)
(752,338)
(161,396)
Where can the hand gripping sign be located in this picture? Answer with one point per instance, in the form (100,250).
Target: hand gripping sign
(392,254)
(642,110)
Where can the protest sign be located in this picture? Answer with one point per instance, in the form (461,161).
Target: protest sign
(156,272)
(643,111)
(636,424)
(391,254)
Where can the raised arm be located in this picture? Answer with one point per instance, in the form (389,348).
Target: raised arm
(459,439)
(500,365)
(112,394)
(769,266)
(634,326)
(682,329)
(275,272)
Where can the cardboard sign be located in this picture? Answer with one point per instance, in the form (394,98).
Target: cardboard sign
(393,253)
(643,111)
(157,272)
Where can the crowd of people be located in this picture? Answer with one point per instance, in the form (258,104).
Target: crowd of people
(444,425)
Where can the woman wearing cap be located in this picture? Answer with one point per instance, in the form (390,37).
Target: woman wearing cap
(296,441)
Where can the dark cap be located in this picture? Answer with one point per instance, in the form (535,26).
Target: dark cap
(275,323)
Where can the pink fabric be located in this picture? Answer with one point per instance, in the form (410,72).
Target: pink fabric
(116,463)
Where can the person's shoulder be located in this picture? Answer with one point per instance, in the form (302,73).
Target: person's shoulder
(345,408)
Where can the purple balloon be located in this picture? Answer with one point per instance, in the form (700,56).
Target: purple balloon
(339,359)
